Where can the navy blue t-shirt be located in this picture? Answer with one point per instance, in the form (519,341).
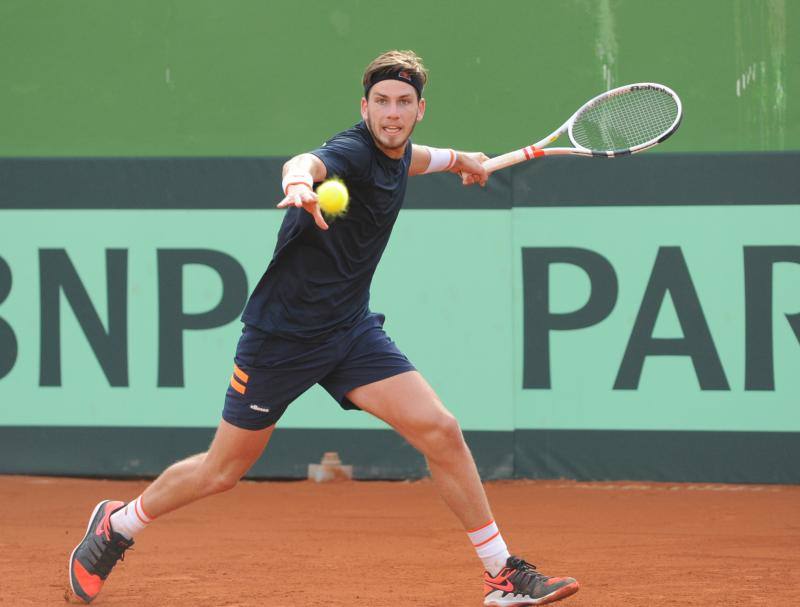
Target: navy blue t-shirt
(318,281)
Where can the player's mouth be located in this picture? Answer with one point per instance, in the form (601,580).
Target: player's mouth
(393,130)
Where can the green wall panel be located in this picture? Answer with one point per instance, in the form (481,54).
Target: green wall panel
(452,286)
(447,306)
(239,78)
(585,362)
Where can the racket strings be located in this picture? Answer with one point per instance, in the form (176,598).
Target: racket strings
(625,120)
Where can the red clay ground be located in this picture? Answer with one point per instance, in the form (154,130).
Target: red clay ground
(395,544)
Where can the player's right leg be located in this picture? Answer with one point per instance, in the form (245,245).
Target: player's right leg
(232,453)
(269,373)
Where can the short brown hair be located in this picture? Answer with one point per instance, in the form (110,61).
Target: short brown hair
(393,62)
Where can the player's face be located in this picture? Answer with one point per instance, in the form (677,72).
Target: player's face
(391,113)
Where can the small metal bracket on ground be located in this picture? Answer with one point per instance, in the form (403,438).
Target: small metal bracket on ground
(329,469)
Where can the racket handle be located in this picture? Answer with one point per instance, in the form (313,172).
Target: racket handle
(505,160)
(521,155)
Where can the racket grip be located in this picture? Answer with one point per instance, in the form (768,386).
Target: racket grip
(505,160)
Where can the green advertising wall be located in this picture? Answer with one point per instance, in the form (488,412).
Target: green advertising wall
(634,319)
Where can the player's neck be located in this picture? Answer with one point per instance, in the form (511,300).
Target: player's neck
(393,153)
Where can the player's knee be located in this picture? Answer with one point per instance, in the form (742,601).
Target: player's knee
(220,482)
(214,479)
(445,436)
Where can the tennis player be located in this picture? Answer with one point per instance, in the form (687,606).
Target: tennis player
(308,322)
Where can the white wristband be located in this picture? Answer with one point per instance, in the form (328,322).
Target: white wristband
(441,160)
(297,179)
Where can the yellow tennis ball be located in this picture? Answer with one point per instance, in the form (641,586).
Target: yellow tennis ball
(333,197)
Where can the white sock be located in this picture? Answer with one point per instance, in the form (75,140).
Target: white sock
(490,546)
(131,519)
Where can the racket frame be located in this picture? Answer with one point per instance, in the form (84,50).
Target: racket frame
(539,149)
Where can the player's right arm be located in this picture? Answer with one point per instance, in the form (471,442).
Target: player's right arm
(299,176)
(469,165)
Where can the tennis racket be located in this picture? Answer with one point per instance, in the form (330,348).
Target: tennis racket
(625,120)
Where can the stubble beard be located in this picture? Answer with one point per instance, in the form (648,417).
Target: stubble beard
(383,144)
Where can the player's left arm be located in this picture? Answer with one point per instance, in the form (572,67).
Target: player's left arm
(299,176)
(469,165)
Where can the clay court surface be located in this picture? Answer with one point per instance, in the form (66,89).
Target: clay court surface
(376,544)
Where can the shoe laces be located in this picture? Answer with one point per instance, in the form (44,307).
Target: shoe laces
(113,551)
(525,573)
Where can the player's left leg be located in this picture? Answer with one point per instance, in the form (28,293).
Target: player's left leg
(408,404)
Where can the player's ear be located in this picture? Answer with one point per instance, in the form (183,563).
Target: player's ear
(421,111)
(364,108)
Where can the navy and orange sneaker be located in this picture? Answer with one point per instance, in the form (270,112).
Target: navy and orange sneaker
(518,584)
(93,559)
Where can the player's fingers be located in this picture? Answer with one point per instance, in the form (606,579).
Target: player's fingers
(479,179)
(307,199)
(318,218)
(286,202)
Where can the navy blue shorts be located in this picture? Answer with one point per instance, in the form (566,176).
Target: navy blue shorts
(270,372)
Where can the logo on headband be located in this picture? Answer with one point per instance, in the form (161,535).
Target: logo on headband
(404,74)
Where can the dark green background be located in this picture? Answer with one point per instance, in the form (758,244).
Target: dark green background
(247,77)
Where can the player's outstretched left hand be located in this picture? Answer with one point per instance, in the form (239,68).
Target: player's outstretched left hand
(301,196)
(469,165)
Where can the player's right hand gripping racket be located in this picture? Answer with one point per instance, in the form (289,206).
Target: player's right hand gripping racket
(622,121)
